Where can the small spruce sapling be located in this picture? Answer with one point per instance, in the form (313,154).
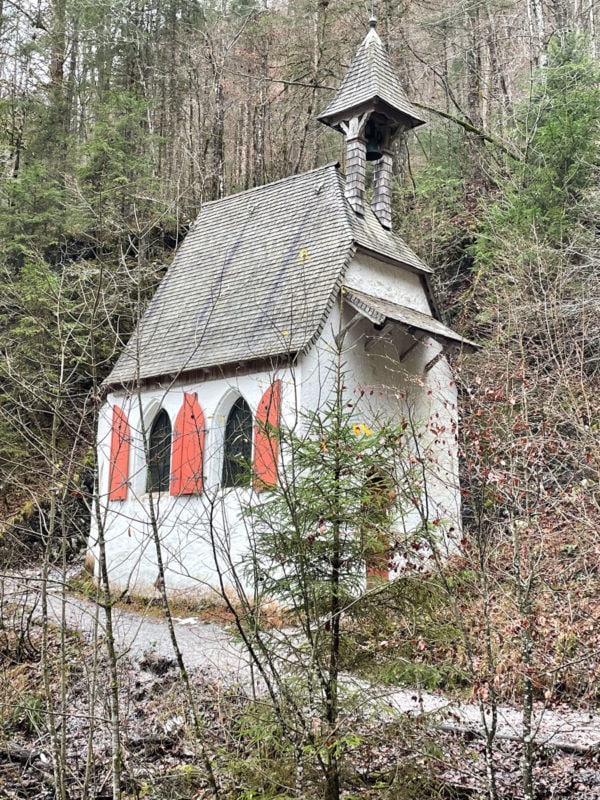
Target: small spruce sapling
(316,535)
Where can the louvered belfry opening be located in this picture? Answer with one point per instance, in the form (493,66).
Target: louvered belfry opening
(371,110)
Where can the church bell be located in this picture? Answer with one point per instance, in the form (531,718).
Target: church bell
(374,143)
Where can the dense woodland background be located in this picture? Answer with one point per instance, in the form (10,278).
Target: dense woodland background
(119,119)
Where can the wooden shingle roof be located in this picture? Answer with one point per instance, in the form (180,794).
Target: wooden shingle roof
(256,277)
(379,311)
(370,79)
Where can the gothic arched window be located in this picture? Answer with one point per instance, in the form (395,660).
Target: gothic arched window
(159,454)
(237,459)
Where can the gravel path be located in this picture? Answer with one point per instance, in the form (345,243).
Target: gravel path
(562,727)
(204,645)
(210,647)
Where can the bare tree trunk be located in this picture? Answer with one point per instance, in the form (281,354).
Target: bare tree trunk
(88,788)
(18,146)
(260,121)
(246,144)
(524,589)
(498,74)
(104,599)
(473,67)
(58,754)
(537,30)
(106,603)
(218,139)
(71,82)
(58,39)
(58,121)
(592,27)
(58,476)
(560,15)
(489,726)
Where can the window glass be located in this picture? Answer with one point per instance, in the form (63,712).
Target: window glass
(238,445)
(159,452)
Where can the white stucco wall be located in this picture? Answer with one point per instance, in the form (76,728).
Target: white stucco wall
(199,534)
(387,281)
(428,396)
(202,535)
(384,388)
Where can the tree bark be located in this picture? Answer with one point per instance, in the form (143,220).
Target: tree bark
(537,30)
(260,121)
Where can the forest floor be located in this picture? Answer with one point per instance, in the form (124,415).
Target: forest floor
(211,648)
(416,722)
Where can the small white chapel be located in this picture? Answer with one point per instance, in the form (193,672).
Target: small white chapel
(240,339)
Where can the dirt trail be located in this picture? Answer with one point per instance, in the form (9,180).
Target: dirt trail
(213,649)
(204,645)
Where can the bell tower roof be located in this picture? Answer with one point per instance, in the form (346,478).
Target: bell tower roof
(371,85)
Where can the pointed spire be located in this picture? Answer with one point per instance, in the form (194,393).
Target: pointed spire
(371,81)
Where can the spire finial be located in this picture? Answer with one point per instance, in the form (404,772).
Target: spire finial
(373,22)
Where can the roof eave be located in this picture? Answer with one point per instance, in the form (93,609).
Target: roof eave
(375,311)
(199,374)
(375,104)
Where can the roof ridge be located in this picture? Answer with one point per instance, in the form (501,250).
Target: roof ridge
(287,179)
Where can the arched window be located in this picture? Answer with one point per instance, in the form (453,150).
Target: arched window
(159,453)
(237,460)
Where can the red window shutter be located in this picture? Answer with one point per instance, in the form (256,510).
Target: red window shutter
(119,455)
(188,447)
(266,441)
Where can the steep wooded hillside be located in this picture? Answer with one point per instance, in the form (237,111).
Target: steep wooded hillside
(118,120)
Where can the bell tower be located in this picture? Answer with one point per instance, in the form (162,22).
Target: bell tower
(371,110)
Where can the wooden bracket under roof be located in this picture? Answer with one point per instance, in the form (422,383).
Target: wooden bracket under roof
(378,311)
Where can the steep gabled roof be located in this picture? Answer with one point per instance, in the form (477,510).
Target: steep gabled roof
(255,277)
(370,78)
